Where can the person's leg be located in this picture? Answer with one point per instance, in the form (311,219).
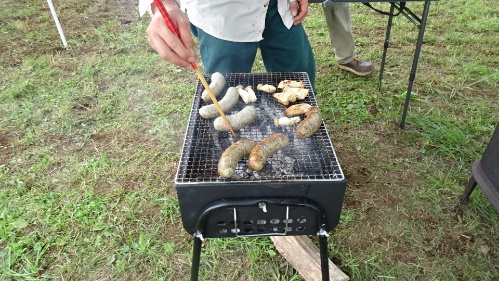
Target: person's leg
(339,24)
(340,32)
(286,50)
(225,56)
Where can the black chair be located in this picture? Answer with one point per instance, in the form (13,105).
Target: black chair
(485,173)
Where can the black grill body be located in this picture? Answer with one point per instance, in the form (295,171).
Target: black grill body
(241,204)
(299,191)
(303,177)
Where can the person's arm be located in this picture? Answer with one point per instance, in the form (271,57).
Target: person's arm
(166,43)
(299,10)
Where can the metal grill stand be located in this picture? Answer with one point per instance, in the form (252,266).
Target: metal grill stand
(300,190)
(261,206)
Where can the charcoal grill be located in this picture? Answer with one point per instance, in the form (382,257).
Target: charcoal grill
(300,190)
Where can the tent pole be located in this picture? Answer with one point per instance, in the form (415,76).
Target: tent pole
(58,25)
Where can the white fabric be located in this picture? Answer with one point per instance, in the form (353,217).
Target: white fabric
(231,20)
(145,6)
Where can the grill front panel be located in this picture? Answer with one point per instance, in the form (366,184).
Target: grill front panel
(255,220)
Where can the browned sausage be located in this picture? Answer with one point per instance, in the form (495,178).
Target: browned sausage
(264,149)
(311,124)
(231,156)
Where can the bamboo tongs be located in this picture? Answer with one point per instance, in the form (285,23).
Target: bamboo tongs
(171,25)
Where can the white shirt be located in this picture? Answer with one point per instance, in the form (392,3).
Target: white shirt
(231,20)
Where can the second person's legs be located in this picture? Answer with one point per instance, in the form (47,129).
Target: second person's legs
(340,32)
(339,25)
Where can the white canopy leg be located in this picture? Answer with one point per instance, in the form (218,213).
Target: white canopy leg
(54,15)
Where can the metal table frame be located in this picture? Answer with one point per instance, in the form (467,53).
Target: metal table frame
(419,22)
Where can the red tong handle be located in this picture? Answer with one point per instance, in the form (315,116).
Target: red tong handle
(169,22)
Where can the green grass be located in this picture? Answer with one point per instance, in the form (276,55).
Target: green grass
(90,139)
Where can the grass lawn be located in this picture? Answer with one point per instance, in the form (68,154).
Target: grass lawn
(90,140)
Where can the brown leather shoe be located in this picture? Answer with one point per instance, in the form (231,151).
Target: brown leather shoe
(358,67)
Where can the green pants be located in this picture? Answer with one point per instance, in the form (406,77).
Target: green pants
(282,49)
(340,31)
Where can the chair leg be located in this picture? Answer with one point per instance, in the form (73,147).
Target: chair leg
(469,189)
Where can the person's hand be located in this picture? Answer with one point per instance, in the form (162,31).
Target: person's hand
(299,10)
(165,42)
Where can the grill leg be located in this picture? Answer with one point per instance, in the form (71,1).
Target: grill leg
(324,257)
(196,256)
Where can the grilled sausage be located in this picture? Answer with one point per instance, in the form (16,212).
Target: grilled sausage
(216,85)
(231,156)
(227,103)
(311,124)
(264,149)
(238,120)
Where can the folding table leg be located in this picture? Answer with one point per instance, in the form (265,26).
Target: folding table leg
(196,256)
(415,61)
(385,46)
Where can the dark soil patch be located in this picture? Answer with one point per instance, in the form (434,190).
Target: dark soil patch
(7,151)
(6,139)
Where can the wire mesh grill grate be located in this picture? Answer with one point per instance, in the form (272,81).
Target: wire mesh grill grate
(311,158)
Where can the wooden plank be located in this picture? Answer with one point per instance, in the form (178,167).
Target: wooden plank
(304,256)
